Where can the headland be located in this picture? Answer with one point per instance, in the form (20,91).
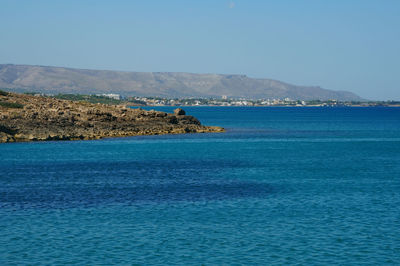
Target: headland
(36,118)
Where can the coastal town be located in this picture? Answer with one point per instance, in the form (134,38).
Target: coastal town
(116,99)
(113,98)
(155,101)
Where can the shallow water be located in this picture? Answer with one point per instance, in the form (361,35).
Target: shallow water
(282,186)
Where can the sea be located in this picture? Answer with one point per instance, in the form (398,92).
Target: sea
(283,186)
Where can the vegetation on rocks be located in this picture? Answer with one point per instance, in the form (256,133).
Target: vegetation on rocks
(11,105)
(88,98)
(43,118)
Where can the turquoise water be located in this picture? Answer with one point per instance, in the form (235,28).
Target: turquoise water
(282,186)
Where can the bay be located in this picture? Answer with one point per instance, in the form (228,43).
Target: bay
(281,186)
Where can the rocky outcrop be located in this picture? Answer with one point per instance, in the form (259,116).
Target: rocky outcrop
(35,118)
(179,111)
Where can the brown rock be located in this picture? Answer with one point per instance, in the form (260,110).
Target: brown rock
(68,120)
(179,111)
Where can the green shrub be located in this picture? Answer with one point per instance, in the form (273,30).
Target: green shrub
(11,105)
(3,93)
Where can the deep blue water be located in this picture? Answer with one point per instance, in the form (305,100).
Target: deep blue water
(282,186)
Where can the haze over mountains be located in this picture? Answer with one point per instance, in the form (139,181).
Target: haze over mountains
(54,80)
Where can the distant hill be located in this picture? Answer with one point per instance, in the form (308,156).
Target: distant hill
(47,79)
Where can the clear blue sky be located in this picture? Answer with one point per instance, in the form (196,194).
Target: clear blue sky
(340,45)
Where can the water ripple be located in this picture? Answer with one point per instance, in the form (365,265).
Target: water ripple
(86,196)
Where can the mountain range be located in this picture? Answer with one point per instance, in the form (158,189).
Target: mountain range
(54,80)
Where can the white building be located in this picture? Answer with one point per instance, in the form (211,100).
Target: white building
(112,96)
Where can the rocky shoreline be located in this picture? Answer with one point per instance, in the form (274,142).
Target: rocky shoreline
(35,118)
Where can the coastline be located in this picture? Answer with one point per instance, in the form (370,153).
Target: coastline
(25,118)
(268,106)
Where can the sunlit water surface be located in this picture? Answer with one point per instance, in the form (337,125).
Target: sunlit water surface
(282,186)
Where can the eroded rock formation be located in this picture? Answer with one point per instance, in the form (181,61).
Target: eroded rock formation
(35,118)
